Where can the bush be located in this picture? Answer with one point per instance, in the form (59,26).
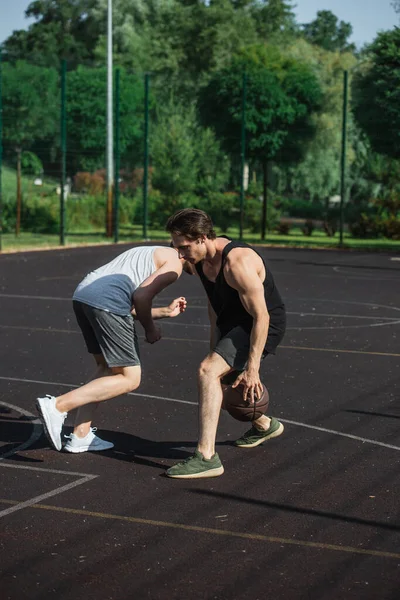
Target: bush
(391,228)
(90,183)
(41,215)
(301,209)
(366,227)
(223,208)
(31,164)
(330,227)
(308,227)
(283,228)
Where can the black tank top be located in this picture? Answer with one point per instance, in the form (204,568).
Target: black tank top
(229,308)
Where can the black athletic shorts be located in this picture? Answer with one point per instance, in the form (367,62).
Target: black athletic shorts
(234,347)
(111,335)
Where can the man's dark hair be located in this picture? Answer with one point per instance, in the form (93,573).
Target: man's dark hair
(192,223)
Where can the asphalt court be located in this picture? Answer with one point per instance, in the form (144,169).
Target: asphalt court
(313,514)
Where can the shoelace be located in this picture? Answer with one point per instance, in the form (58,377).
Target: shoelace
(69,437)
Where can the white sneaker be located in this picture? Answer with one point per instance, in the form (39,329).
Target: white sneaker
(52,419)
(90,443)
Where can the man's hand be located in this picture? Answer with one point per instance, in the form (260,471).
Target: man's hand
(177,307)
(252,386)
(153,335)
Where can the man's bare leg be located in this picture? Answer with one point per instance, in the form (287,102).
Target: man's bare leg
(210,400)
(85,414)
(262,423)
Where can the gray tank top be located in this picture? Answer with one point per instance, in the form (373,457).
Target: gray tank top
(111,286)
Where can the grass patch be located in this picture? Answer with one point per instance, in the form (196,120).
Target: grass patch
(134,234)
(9,184)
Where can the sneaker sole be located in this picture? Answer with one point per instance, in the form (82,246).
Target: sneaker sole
(86,449)
(43,417)
(275,434)
(210,473)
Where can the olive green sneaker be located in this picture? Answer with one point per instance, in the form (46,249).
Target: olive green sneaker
(255,437)
(196,466)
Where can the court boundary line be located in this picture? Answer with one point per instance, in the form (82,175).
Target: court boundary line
(35,435)
(290,422)
(213,531)
(175,339)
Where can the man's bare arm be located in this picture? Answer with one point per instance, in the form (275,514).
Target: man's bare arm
(176,307)
(242,273)
(213,326)
(166,274)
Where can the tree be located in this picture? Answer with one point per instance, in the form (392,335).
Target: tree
(63,29)
(326,31)
(317,176)
(30,111)
(185,156)
(86,117)
(281,96)
(273,18)
(376,94)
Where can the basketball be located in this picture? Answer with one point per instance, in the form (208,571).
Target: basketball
(239,409)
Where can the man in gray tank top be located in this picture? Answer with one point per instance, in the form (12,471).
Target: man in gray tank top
(106,303)
(248,321)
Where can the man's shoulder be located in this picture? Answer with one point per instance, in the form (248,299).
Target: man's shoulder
(164,254)
(242,255)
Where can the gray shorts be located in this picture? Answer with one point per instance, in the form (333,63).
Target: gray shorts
(234,347)
(111,335)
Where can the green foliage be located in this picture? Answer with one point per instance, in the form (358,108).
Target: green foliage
(31,164)
(41,215)
(186,158)
(281,94)
(391,228)
(62,29)
(376,94)
(326,31)
(30,107)
(366,227)
(302,209)
(86,117)
(88,213)
(274,18)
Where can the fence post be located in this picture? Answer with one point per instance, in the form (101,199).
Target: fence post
(63,149)
(117,157)
(242,155)
(343,157)
(146,155)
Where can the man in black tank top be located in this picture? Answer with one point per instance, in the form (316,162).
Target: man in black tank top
(248,321)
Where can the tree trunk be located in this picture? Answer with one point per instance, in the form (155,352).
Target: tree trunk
(19,193)
(265,200)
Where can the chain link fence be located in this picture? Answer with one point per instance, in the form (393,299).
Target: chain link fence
(221,151)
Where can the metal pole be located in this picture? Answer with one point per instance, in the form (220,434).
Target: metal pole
(110,158)
(243,155)
(63,149)
(1,159)
(117,158)
(146,154)
(343,157)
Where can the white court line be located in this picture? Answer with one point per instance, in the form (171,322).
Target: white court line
(35,435)
(55,492)
(299,424)
(35,297)
(83,477)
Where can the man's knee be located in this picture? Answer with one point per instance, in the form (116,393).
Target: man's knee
(211,366)
(131,377)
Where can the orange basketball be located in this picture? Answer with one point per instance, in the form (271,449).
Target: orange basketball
(241,410)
